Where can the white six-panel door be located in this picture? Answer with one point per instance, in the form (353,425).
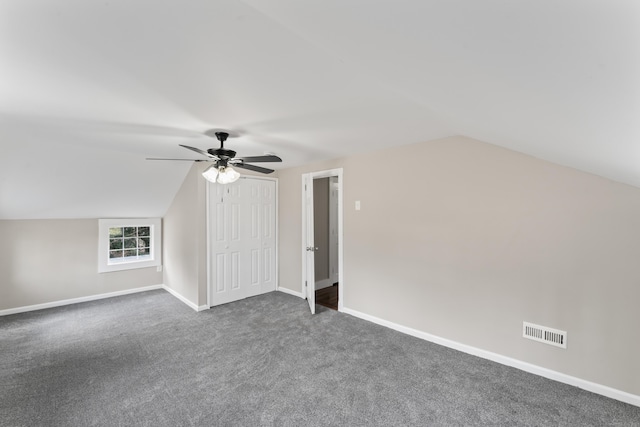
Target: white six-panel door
(242,239)
(261,237)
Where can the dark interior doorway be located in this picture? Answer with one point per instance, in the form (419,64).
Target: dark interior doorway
(325,232)
(328,297)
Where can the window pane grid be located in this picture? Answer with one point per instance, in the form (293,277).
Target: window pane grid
(129,243)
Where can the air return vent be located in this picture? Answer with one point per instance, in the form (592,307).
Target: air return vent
(544,334)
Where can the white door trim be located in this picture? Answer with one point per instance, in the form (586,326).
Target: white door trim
(325,174)
(208,233)
(333,230)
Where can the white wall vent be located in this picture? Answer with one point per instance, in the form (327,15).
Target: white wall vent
(543,334)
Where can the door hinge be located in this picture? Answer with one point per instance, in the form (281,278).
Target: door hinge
(305,283)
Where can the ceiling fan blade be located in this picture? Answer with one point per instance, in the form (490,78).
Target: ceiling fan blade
(253,168)
(199,151)
(186,160)
(266,158)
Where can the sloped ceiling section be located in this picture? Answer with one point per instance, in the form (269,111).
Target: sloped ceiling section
(89,89)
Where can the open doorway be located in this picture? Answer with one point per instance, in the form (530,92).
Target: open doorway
(322,239)
(326,240)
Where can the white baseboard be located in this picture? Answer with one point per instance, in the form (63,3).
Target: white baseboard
(181,298)
(59,303)
(185,300)
(603,390)
(290,292)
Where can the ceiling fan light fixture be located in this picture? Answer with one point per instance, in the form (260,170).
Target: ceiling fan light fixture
(211,173)
(227,175)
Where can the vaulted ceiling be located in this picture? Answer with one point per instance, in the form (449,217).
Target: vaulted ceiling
(89,89)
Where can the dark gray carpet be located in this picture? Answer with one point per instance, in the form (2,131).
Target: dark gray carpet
(147,359)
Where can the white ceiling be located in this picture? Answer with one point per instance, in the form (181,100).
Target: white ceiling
(88,89)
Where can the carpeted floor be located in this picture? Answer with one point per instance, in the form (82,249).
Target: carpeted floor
(148,359)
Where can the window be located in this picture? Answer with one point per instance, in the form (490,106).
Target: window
(128,243)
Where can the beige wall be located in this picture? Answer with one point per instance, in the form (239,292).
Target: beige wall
(184,250)
(473,239)
(44,261)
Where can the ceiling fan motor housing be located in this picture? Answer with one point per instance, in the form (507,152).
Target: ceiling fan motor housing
(222,153)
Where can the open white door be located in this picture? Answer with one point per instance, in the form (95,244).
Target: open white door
(309,248)
(308,243)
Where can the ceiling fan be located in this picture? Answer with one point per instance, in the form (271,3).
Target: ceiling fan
(223,159)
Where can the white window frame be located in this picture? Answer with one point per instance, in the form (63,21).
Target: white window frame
(104,264)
